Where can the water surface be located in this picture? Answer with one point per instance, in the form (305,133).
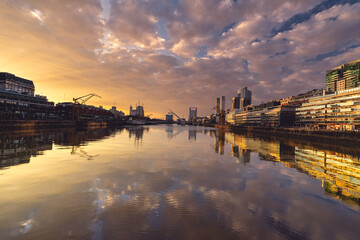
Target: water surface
(174,182)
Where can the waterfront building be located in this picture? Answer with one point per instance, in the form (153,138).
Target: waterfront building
(192,114)
(17,100)
(343,77)
(338,111)
(116,113)
(169,118)
(72,111)
(137,112)
(274,116)
(10,82)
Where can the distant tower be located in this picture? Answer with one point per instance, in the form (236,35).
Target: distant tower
(235,103)
(245,97)
(192,114)
(169,118)
(217,105)
(222,103)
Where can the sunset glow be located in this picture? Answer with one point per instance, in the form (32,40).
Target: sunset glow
(176,54)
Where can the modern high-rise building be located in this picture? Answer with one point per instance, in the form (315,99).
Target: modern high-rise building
(245,97)
(222,103)
(343,77)
(235,103)
(192,114)
(217,105)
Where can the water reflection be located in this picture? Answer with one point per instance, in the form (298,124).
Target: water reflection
(18,147)
(171,133)
(183,183)
(339,172)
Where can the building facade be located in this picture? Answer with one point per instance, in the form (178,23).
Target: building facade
(169,118)
(116,113)
(10,82)
(137,112)
(192,114)
(222,104)
(17,100)
(343,77)
(336,111)
(245,98)
(272,116)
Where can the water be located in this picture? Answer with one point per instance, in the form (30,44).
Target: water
(173,182)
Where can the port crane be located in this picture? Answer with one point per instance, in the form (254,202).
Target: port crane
(84,99)
(221,114)
(182,120)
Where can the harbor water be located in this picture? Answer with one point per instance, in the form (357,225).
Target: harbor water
(175,182)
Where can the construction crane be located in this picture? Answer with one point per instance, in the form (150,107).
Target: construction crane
(182,120)
(84,99)
(221,114)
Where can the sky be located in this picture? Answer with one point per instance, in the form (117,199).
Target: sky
(176,54)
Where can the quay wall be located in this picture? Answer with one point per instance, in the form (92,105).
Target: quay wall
(54,124)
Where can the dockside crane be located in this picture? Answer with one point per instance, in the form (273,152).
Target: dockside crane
(82,100)
(221,114)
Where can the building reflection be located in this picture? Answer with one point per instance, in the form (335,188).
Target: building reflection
(339,172)
(173,132)
(137,132)
(219,143)
(18,147)
(192,135)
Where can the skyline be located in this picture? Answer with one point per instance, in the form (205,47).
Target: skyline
(176,54)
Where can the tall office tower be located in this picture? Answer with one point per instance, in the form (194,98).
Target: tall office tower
(217,105)
(245,97)
(192,114)
(235,103)
(343,77)
(222,103)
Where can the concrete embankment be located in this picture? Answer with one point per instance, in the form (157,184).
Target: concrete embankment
(35,124)
(309,134)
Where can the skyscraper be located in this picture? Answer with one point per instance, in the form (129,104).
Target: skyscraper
(343,77)
(217,105)
(192,114)
(222,103)
(235,103)
(245,97)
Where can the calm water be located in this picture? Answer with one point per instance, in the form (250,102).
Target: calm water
(173,182)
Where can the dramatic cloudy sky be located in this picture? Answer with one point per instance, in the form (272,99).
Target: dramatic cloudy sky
(176,53)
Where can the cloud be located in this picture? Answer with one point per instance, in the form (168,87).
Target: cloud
(176,53)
